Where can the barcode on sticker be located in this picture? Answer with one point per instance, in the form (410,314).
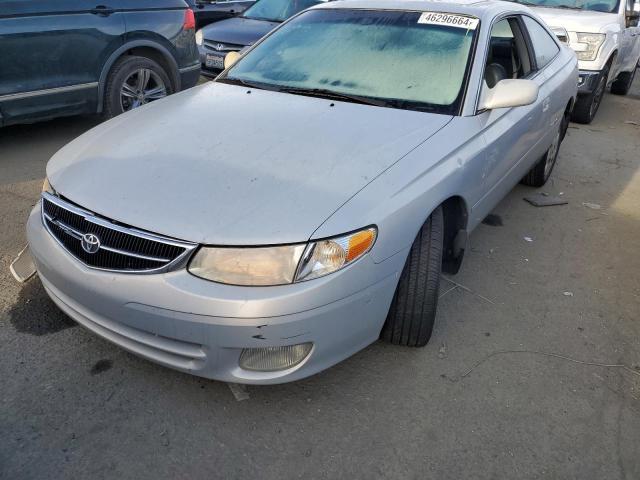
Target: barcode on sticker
(448,20)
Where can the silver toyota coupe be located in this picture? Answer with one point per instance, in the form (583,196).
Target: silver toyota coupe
(265,226)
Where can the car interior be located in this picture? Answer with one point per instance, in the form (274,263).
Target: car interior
(507,56)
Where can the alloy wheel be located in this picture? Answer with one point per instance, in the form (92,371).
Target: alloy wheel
(140,87)
(597,96)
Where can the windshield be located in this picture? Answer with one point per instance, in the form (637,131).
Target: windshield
(394,58)
(608,6)
(277,10)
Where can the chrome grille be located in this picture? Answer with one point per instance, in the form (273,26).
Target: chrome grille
(121,248)
(222,47)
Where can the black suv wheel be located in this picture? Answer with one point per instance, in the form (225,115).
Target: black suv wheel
(134,81)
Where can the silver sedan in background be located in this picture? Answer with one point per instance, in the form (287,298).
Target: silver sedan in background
(265,226)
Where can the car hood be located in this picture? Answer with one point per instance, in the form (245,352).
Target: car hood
(238,30)
(576,20)
(219,165)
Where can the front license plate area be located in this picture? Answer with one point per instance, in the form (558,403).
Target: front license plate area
(214,61)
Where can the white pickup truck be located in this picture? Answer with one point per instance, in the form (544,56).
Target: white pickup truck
(606,38)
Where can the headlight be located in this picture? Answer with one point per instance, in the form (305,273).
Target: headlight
(199,37)
(46,187)
(588,45)
(280,265)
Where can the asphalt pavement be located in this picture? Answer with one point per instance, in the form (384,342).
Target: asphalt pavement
(533,371)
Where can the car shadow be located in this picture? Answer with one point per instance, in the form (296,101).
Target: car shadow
(34,313)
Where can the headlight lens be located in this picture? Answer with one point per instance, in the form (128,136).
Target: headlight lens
(247,266)
(199,37)
(46,187)
(327,256)
(262,266)
(588,45)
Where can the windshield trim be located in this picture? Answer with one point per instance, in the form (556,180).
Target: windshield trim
(454,109)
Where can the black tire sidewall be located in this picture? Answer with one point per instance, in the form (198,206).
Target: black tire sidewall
(582,111)
(120,72)
(412,312)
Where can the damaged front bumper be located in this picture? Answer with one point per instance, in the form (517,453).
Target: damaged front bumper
(201,327)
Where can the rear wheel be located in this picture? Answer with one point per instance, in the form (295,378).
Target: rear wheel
(541,171)
(587,105)
(622,85)
(134,81)
(413,309)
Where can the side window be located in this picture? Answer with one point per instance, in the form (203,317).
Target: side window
(544,47)
(507,56)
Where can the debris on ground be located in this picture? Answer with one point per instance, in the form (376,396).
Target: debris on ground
(528,239)
(592,206)
(568,294)
(467,289)
(239,391)
(545,200)
(631,122)
(442,352)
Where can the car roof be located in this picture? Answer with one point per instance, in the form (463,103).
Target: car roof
(482,9)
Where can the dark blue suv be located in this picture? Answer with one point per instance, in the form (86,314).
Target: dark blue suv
(68,57)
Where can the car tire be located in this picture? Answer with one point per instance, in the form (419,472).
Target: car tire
(623,83)
(541,171)
(587,106)
(413,309)
(132,82)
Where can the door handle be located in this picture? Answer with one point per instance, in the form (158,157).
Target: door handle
(102,10)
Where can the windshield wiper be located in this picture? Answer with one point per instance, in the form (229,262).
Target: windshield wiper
(567,7)
(330,94)
(524,2)
(247,83)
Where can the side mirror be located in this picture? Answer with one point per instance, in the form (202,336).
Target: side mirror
(231,58)
(509,93)
(633,17)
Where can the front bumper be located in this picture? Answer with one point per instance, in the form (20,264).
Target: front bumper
(588,81)
(201,327)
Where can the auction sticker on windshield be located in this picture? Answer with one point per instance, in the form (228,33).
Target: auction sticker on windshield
(449,20)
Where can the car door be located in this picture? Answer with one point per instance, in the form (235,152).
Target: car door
(545,50)
(51,55)
(514,137)
(636,36)
(630,40)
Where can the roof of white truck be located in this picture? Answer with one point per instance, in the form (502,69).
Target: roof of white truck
(476,8)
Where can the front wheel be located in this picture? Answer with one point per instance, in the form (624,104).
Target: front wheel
(587,105)
(134,81)
(413,309)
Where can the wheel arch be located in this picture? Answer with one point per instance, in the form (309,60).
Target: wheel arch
(144,48)
(456,217)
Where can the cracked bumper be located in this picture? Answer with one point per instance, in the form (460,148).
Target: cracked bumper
(201,327)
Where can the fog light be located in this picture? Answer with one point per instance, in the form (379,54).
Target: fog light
(271,359)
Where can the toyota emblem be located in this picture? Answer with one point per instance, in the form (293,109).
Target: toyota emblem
(90,243)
